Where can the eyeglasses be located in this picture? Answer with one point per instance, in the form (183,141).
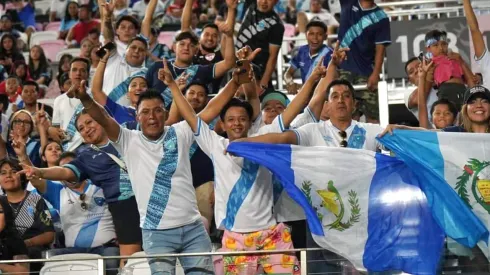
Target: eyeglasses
(20,121)
(82,199)
(343,135)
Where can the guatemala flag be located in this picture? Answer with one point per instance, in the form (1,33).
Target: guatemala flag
(367,207)
(461,160)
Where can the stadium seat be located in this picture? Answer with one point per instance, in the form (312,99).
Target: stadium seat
(77,266)
(289,30)
(42,6)
(73,52)
(166,38)
(141,266)
(40,36)
(53,26)
(52,48)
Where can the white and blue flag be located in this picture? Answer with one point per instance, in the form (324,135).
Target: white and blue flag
(372,209)
(458,160)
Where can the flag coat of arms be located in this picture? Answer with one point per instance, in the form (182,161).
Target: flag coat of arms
(461,160)
(366,207)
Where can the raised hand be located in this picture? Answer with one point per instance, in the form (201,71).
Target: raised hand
(424,67)
(232,4)
(247,53)
(182,80)
(78,90)
(40,118)
(165,75)
(31,172)
(108,8)
(225,28)
(339,54)
(319,71)
(236,76)
(106,56)
(18,143)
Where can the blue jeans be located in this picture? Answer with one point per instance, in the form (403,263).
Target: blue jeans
(110,265)
(191,238)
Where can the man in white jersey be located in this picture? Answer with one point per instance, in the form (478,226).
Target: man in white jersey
(85,217)
(243,189)
(66,107)
(482,57)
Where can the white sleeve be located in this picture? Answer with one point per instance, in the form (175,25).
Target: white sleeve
(124,140)
(255,125)
(184,133)
(484,63)
(302,119)
(332,21)
(207,139)
(303,134)
(56,121)
(275,127)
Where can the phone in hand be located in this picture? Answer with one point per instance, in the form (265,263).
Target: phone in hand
(428,56)
(244,66)
(109,47)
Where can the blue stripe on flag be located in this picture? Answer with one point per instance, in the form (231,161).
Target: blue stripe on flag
(402,234)
(277,158)
(420,151)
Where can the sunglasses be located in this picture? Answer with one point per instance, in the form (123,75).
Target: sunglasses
(343,135)
(82,199)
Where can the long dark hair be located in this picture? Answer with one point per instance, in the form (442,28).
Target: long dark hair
(44,164)
(14,49)
(43,61)
(67,13)
(60,65)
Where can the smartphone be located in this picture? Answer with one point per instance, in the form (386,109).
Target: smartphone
(109,46)
(244,66)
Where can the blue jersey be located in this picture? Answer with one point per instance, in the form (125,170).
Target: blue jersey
(306,63)
(361,30)
(203,74)
(120,113)
(95,164)
(161,51)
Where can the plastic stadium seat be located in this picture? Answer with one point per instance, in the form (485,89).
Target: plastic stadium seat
(52,48)
(53,26)
(141,266)
(75,267)
(289,30)
(40,36)
(166,38)
(73,52)
(42,6)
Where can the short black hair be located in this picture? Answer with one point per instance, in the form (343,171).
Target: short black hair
(337,82)
(211,25)
(32,83)
(86,6)
(236,102)
(444,101)
(140,39)
(206,89)
(94,30)
(187,35)
(129,18)
(81,59)
(15,165)
(67,154)
(408,63)
(316,23)
(4,99)
(14,77)
(154,31)
(148,95)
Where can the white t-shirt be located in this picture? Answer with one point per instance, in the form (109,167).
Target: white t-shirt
(83,228)
(304,118)
(121,47)
(160,174)
(64,109)
(323,16)
(139,8)
(359,135)
(484,63)
(59,7)
(117,71)
(430,100)
(243,190)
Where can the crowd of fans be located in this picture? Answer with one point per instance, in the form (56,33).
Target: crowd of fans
(130,155)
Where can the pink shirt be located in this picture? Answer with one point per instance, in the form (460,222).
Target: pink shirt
(446,69)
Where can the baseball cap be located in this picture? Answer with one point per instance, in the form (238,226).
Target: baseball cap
(475,91)
(275,96)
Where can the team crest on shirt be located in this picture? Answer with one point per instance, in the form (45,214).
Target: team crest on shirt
(301,64)
(210,56)
(354,8)
(99,201)
(327,138)
(261,25)
(170,144)
(476,173)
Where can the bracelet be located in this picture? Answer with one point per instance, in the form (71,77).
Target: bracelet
(91,105)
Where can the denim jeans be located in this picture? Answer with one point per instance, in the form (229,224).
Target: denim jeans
(110,265)
(190,238)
